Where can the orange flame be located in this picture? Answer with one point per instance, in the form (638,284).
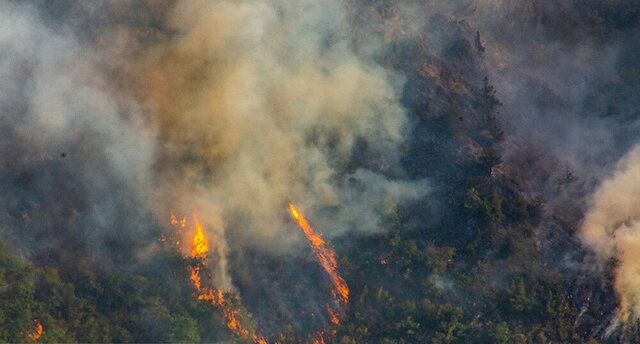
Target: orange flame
(199,246)
(195,277)
(231,317)
(36,330)
(319,338)
(328,261)
(333,316)
(326,257)
(174,221)
(199,249)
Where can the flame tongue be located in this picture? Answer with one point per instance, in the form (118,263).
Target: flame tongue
(36,330)
(199,249)
(232,319)
(326,257)
(319,338)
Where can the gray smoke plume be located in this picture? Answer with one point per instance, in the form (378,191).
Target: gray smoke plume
(115,114)
(566,75)
(76,154)
(229,109)
(567,86)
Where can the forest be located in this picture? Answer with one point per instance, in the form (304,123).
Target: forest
(465,171)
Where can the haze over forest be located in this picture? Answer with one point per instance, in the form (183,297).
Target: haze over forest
(303,171)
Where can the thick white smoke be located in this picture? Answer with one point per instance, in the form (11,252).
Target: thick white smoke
(265,102)
(612,229)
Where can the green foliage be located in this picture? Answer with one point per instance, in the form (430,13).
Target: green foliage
(440,258)
(519,297)
(502,334)
(489,207)
(183,329)
(442,294)
(16,298)
(487,104)
(101,306)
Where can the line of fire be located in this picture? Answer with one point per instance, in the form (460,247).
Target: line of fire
(233,319)
(217,298)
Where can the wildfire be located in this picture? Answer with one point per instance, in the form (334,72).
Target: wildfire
(216,298)
(199,249)
(319,338)
(232,319)
(199,246)
(333,316)
(174,221)
(328,261)
(326,257)
(36,330)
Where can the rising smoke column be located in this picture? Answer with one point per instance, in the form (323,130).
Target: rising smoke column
(260,102)
(612,229)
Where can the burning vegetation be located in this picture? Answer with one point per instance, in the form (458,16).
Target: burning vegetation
(36,330)
(327,259)
(231,317)
(219,299)
(441,148)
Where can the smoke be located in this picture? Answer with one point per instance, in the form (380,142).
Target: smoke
(262,103)
(611,229)
(116,114)
(75,155)
(562,79)
(565,75)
